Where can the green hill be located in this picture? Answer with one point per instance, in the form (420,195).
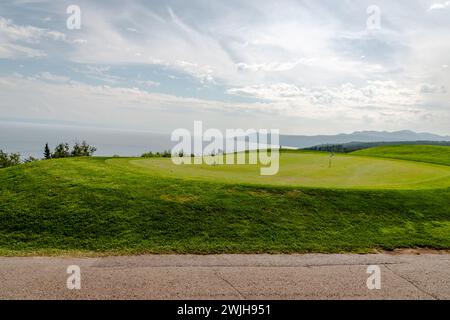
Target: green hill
(423,153)
(123,206)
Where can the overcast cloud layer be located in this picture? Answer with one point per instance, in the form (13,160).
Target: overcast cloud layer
(305,67)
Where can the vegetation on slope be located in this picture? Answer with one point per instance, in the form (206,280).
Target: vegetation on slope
(91,205)
(355,146)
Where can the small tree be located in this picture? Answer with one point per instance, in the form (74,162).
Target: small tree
(61,151)
(9,160)
(148,155)
(83,150)
(47,153)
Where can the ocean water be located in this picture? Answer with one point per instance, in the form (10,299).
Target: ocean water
(30,139)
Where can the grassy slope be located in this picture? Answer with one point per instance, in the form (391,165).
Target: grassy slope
(92,205)
(431,154)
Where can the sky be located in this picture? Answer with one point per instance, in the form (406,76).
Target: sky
(304,67)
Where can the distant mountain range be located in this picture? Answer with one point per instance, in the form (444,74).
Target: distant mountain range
(359,136)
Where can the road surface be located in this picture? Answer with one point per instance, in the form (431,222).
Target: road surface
(313,276)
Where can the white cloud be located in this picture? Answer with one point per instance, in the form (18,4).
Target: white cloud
(11,31)
(438,6)
(99,72)
(203,73)
(148,83)
(80,41)
(310,60)
(55,35)
(171,43)
(270,66)
(270,92)
(346,107)
(52,77)
(13,51)
(429,88)
(226,50)
(17,40)
(374,93)
(27,33)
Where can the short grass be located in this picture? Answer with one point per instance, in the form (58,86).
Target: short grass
(309,169)
(101,206)
(424,153)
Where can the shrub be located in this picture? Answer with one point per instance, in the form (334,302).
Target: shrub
(164,154)
(9,160)
(79,150)
(61,151)
(148,155)
(83,150)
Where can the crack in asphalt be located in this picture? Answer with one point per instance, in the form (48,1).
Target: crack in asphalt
(412,283)
(216,273)
(241,277)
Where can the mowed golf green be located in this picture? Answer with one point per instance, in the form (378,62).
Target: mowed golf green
(117,206)
(310,169)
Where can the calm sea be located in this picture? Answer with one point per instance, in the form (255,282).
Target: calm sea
(30,139)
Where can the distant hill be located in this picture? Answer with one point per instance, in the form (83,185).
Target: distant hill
(359,136)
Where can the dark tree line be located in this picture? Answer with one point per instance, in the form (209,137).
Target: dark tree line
(150,154)
(62,150)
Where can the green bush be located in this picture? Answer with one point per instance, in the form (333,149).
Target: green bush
(9,160)
(61,151)
(164,154)
(83,150)
(148,155)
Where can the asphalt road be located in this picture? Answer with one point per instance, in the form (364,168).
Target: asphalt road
(314,276)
